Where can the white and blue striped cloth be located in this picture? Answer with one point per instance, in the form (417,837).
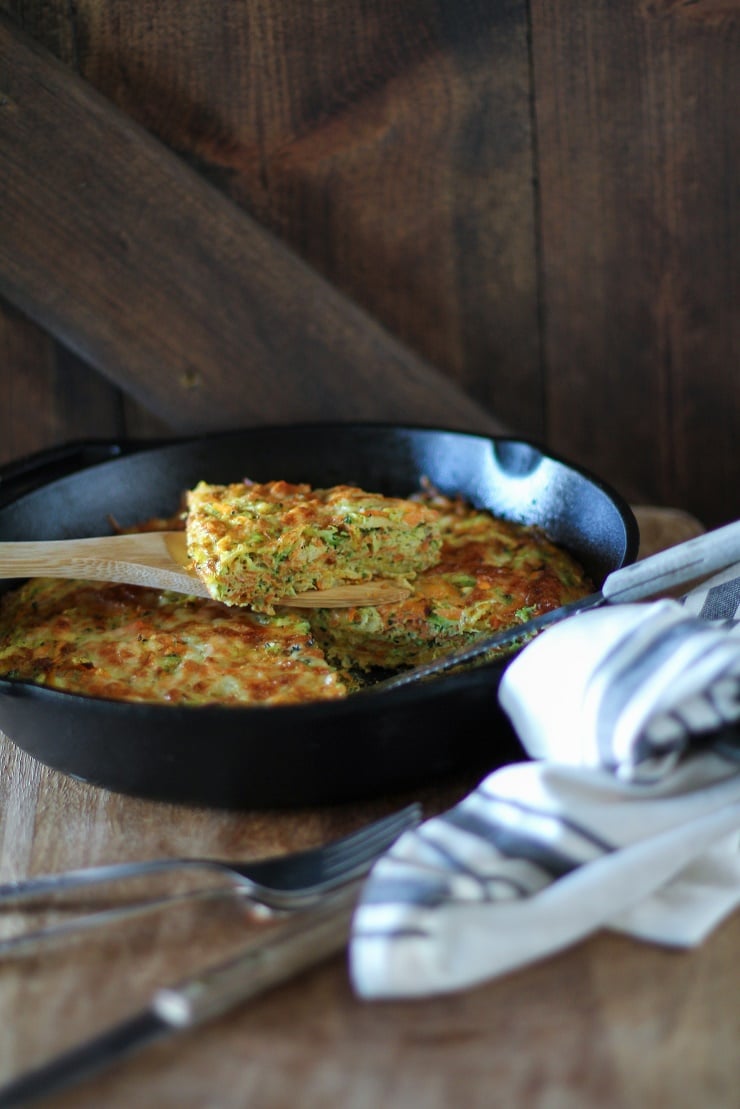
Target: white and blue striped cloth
(628,817)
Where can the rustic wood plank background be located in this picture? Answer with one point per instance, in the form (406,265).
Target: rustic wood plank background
(536,199)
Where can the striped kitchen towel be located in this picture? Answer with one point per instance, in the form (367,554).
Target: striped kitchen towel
(627,818)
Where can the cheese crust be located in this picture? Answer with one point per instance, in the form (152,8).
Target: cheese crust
(476,574)
(491,575)
(133,644)
(252,544)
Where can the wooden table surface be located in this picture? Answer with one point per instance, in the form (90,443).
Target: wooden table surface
(610,1022)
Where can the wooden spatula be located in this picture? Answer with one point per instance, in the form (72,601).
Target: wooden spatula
(159,559)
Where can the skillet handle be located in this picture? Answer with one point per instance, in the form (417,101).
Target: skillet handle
(23,475)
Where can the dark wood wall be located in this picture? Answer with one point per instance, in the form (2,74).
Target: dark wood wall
(495,211)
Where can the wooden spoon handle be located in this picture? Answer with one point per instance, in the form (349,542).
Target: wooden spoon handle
(352,595)
(144,558)
(159,560)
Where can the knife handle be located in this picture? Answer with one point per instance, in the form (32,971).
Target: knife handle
(303,940)
(696,558)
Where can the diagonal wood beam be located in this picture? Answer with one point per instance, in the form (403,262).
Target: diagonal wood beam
(131,259)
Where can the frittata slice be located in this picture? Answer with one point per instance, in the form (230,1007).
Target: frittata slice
(252,544)
(128,643)
(492,574)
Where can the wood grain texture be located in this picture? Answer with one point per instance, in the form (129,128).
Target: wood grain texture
(638,140)
(538,199)
(48,395)
(388,145)
(76,402)
(167,287)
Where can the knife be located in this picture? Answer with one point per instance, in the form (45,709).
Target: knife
(304,939)
(685,562)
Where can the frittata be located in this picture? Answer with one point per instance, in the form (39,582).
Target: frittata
(128,643)
(470,574)
(491,575)
(252,544)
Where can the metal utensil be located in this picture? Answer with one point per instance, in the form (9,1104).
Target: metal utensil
(300,941)
(689,561)
(159,560)
(286,882)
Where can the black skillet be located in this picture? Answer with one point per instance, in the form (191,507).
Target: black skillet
(367,745)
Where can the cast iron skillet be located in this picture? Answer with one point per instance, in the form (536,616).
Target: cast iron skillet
(367,745)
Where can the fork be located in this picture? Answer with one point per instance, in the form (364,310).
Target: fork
(301,941)
(280,883)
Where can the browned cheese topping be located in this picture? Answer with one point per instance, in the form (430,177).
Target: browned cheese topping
(491,575)
(133,644)
(252,544)
(471,574)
